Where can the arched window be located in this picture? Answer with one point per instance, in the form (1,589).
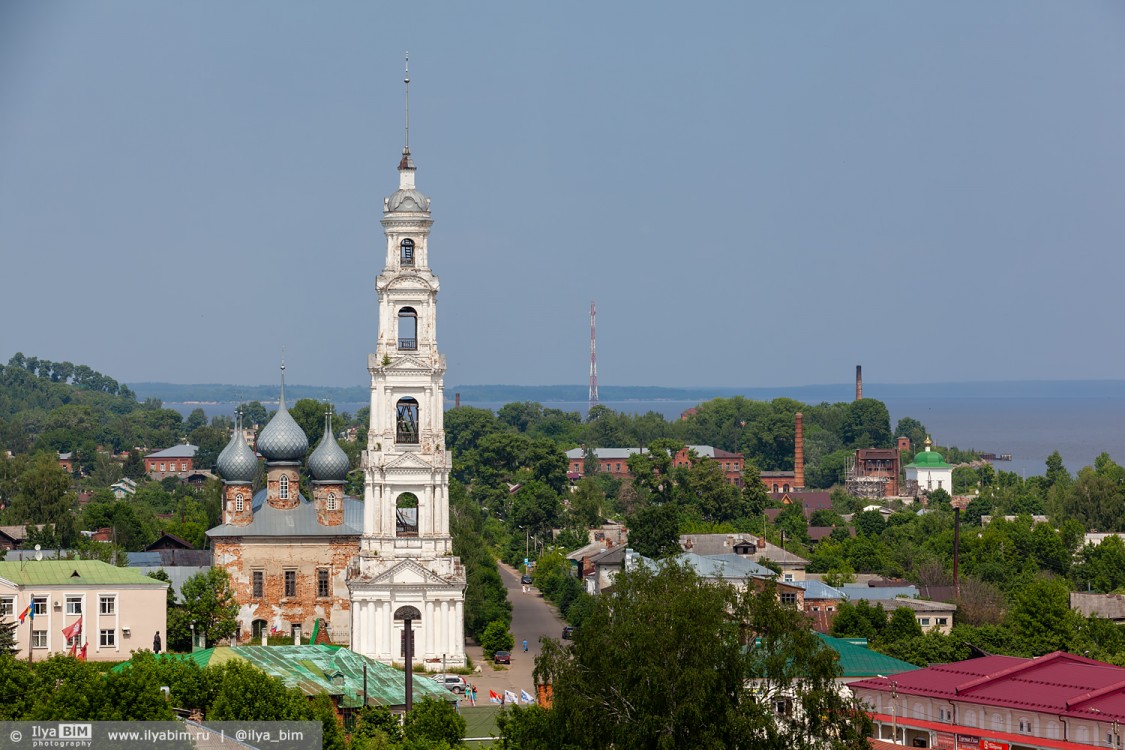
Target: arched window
(775,486)
(406,515)
(331,501)
(406,421)
(257,627)
(239,506)
(785,488)
(406,252)
(283,487)
(407,329)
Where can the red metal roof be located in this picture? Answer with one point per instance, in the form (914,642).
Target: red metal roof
(1058,683)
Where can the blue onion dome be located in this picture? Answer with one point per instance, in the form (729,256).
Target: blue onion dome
(237,463)
(329,463)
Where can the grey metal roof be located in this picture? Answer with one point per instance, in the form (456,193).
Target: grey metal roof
(407,200)
(237,463)
(176,451)
(815,589)
(178,575)
(918,605)
(879,593)
(299,521)
(724,566)
(329,462)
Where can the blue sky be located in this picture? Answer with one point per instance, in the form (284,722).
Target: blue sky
(756,194)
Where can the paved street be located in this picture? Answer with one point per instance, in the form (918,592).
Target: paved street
(532,617)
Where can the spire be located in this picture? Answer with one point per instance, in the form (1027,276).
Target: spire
(281,404)
(406,162)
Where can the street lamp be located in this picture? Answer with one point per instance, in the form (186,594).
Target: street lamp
(894,708)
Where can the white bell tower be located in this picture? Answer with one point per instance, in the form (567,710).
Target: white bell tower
(406,553)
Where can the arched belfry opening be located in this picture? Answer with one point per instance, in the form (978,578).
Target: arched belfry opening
(406,252)
(407,329)
(406,515)
(406,421)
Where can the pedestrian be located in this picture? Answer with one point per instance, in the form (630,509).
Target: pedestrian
(156,643)
(525,644)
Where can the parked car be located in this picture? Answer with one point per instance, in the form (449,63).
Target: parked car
(568,632)
(525,579)
(453,682)
(502,657)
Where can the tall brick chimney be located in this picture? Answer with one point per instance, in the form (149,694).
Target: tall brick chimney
(799,455)
(859,382)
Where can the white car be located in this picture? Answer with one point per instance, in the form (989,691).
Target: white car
(453,682)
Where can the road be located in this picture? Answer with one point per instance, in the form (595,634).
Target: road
(532,617)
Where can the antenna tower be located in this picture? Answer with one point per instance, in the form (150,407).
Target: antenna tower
(593,354)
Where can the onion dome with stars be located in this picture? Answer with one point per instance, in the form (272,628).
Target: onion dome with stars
(237,463)
(283,439)
(329,463)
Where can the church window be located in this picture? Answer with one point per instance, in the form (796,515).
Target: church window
(257,628)
(407,329)
(238,503)
(406,421)
(258,583)
(406,515)
(784,488)
(406,252)
(322,582)
(283,487)
(290,583)
(331,501)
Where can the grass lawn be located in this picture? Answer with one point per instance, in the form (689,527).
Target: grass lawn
(480,722)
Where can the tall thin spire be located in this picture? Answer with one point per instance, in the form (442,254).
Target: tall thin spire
(281,405)
(406,164)
(406,82)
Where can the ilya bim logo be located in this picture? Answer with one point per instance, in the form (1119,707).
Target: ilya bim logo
(60,735)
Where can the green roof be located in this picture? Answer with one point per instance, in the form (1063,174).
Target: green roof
(860,661)
(929,460)
(72,573)
(311,668)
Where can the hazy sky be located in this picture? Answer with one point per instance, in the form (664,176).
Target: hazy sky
(756,194)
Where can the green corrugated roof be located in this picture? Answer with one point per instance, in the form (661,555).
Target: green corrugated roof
(310,669)
(860,661)
(63,573)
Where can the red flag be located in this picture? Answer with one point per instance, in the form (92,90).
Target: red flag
(74,649)
(29,611)
(82,653)
(74,629)
(492,696)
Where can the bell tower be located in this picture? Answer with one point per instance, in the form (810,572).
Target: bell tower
(405,556)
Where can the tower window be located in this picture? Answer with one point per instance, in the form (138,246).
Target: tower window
(406,515)
(407,329)
(406,421)
(238,503)
(331,501)
(283,487)
(406,252)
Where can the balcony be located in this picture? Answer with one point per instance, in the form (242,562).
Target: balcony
(409,345)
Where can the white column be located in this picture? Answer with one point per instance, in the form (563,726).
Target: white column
(459,628)
(428,625)
(445,626)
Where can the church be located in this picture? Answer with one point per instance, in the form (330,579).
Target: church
(365,572)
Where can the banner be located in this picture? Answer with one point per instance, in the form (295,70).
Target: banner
(492,696)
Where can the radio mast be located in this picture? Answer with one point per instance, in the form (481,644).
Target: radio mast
(593,354)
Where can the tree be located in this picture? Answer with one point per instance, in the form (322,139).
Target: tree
(209,604)
(869,523)
(911,428)
(901,625)
(434,723)
(654,530)
(246,693)
(8,637)
(253,414)
(44,497)
(661,663)
(867,425)
(496,638)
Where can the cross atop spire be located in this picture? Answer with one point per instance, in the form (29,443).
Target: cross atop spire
(406,162)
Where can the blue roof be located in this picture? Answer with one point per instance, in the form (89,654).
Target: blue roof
(724,566)
(815,589)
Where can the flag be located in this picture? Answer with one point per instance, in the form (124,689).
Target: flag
(526,696)
(82,652)
(492,696)
(74,629)
(510,697)
(29,611)
(74,648)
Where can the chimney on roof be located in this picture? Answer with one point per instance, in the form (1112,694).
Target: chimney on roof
(761,543)
(799,455)
(456,400)
(859,382)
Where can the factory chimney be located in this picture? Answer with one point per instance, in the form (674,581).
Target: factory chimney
(859,382)
(799,456)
